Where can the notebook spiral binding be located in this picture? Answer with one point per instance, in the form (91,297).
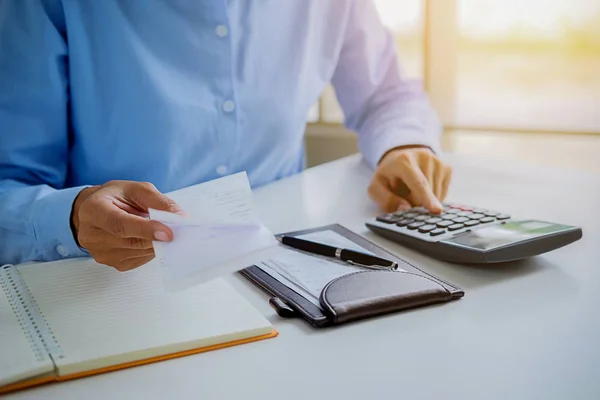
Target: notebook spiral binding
(32,321)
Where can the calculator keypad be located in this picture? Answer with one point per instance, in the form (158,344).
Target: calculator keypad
(415,225)
(389,218)
(454,218)
(404,222)
(455,227)
(426,228)
(437,232)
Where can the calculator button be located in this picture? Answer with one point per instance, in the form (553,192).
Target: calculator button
(466,208)
(409,214)
(486,220)
(433,220)
(415,225)
(491,213)
(388,218)
(419,210)
(445,224)
(503,216)
(464,213)
(455,227)
(471,222)
(405,221)
(421,217)
(479,210)
(476,216)
(460,219)
(436,232)
(448,216)
(452,210)
(426,228)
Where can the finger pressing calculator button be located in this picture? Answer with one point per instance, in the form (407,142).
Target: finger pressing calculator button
(415,225)
(437,232)
(388,218)
(503,216)
(455,227)
(433,220)
(486,220)
(426,228)
(460,220)
(445,224)
(471,223)
(405,221)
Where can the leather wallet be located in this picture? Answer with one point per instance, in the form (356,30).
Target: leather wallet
(357,295)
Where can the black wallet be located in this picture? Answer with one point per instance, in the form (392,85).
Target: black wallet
(357,295)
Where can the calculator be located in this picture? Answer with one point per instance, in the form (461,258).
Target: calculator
(466,234)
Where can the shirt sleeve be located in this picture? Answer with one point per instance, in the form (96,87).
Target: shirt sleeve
(35,207)
(379,102)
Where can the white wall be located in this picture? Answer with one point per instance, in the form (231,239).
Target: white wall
(328,142)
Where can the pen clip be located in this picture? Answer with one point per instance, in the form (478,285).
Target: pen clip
(392,267)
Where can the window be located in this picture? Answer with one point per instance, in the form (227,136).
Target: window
(528,65)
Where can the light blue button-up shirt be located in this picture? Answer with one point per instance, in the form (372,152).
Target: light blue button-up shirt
(177,92)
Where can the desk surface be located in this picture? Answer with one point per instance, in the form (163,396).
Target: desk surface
(524,330)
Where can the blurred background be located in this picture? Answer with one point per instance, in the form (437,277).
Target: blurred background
(514,79)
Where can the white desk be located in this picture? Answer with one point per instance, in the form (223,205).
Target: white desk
(525,330)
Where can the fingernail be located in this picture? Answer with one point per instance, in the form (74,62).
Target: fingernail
(161,236)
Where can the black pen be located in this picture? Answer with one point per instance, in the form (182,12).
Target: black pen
(350,256)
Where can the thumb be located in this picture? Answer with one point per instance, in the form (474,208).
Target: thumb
(146,195)
(389,202)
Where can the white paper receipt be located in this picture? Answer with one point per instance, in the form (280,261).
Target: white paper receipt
(220,233)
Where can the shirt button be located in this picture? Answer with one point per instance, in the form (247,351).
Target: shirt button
(221,31)
(221,170)
(228,106)
(62,250)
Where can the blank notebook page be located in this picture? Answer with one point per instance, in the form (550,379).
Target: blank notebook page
(18,360)
(102,317)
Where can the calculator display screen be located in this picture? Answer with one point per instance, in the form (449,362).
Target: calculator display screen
(503,234)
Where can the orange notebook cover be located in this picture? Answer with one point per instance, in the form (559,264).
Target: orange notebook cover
(53,378)
(95,320)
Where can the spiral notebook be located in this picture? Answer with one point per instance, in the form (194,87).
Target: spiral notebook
(74,318)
